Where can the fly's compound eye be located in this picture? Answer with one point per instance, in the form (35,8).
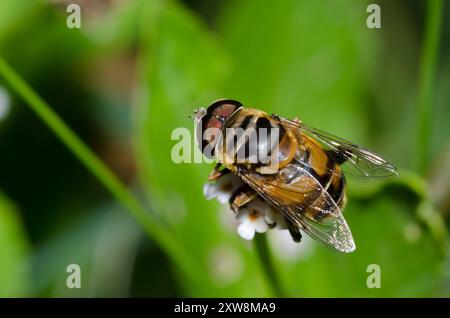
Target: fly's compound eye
(211,124)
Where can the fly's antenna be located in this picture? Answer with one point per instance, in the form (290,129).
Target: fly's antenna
(194,113)
(198,114)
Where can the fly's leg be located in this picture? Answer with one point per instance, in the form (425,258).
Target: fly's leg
(295,232)
(217,172)
(241,197)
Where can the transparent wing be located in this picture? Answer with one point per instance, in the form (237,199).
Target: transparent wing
(355,159)
(321,219)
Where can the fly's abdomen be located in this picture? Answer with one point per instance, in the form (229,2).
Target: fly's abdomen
(336,188)
(317,163)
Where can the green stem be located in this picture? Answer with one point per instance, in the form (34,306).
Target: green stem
(262,249)
(104,174)
(428,61)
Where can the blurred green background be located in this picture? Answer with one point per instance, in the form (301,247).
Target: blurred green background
(136,70)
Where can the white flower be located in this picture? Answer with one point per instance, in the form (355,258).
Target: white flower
(274,218)
(251,221)
(223,188)
(259,217)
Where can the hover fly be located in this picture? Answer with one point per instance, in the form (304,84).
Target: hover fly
(299,173)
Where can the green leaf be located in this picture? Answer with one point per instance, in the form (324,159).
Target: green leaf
(14,267)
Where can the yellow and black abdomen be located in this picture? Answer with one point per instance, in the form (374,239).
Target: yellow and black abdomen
(337,187)
(322,166)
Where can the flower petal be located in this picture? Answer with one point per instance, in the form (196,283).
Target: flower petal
(243,215)
(223,188)
(210,191)
(224,197)
(274,217)
(246,230)
(260,225)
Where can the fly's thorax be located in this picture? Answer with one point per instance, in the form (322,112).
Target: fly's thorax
(252,138)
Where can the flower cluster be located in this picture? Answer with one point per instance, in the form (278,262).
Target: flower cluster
(256,216)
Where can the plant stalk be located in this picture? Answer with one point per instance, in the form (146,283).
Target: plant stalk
(262,249)
(99,169)
(428,62)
